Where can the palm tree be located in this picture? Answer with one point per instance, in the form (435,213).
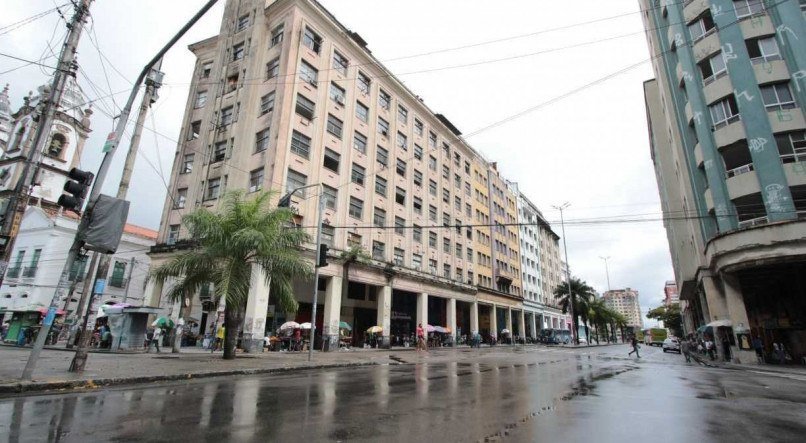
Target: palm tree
(245,233)
(580,296)
(355,254)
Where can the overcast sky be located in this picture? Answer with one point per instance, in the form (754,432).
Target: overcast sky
(590,149)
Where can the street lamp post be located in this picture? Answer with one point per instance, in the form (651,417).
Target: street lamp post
(286,202)
(607,270)
(568,273)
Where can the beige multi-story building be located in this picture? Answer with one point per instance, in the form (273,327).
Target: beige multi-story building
(625,302)
(286,96)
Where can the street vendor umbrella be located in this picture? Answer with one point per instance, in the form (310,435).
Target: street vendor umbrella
(306,325)
(447,330)
(439,329)
(289,325)
(375,329)
(163,322)
(345,325)
(429,328)
(505,331)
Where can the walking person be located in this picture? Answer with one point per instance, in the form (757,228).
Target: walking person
(421,338)
(758,345)
(685,349)
(219,339)
(156,336)
(635,347)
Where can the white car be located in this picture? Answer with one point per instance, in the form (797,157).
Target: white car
(671,344)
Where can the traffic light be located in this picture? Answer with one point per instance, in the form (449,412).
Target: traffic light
(76,189)
(322,260)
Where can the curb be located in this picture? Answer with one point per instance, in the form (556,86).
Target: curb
(24,387)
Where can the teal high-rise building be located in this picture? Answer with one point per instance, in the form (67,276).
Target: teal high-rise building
(726,125)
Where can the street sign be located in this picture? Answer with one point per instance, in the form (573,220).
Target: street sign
(100,285)
(110,141)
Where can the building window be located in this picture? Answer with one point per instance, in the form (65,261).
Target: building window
(328,235)
(432,139)
(763,49)
(432,187)
(418,178)
(457,181)
(312,40)
(173,234)
(432,163)
(277,35)
(201,99)
(305,107)
(362,112)
(792,146)
(267,103)
(402,115)
(378,251)
(417,261)
(357,175)
(418,152)
(384,100)
(330,196)
(340,63)
(256,180)
(308,73)
(402,142)
(195,130)
(417,203)
(295,181)
(238,51)
(362,81)
(469,255)
(380,186)
(432,239)
(401,168)
(418,127)
(723,112)
(432,213)
(446,270)
(181,198)
(399,253)
(273,68)
(360,142)
(446,245)
(382,156)
(262,140)
(400,226)
(446,196)
(332,160)
(383,127)
(334,126)
(226,116)
(187,164)
(243,23)
(300,144)
(713,68)
(458,249)
(417,234)
(400,196)
(337,94)
(702,26)
(213,189)
(777,96)
(232,83)
(746,8)
(356,210)
(206,69)
(219,152)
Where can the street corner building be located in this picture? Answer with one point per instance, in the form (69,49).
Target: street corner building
(286,96)
(726,122)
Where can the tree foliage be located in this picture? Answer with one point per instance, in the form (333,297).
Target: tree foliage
(244,234)
(670,316)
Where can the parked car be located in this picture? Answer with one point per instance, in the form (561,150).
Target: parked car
(558,336)
(671,344)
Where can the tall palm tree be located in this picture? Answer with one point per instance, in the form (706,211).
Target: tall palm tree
(579,297)
(243,234)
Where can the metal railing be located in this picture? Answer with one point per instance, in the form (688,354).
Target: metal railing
(117,282)
(29,271)
(13,272)
(753,222)
(793,158)
(739,171)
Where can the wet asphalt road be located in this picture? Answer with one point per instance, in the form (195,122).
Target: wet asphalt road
(536,394)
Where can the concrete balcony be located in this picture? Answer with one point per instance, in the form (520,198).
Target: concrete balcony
(757,26)
(786,120)
(742,182)
(698,154)
(706,47)
(693,8)
(730,133)
(770,70)
(718,88)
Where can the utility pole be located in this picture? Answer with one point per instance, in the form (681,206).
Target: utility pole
(607,270)
(568,274)
(132,262)
(109,149)
(153,82)
(18,202)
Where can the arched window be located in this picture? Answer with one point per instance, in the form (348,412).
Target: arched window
(57,144)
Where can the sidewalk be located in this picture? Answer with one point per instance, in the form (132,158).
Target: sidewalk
(795,370)
(105,369)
